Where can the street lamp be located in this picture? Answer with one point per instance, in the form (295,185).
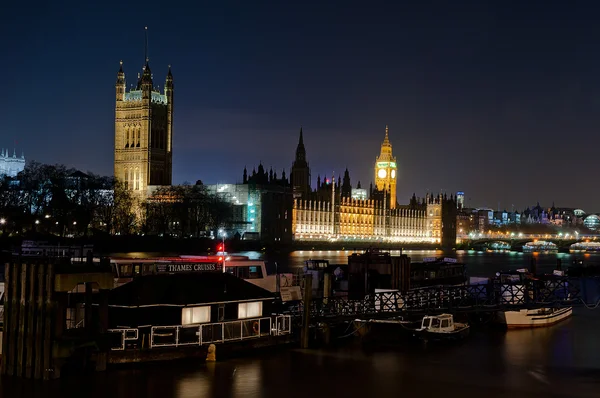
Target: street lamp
(2,221)
(223,236)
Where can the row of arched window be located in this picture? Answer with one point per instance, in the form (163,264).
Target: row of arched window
(132,136)
(133,179)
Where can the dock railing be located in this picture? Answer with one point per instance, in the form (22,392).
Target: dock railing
(208,333)
(127,334)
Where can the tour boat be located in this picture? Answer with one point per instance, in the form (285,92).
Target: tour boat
(252,271)
(540,317)
(441,328)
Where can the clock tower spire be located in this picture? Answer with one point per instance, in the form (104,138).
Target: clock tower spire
(386,169)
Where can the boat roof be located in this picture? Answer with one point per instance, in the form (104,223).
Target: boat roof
(185,289)
(441,316)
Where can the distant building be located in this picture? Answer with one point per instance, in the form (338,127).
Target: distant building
(359,194)
(11,165)
(460,200)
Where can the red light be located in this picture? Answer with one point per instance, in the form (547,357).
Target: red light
(220,258)
(220,248)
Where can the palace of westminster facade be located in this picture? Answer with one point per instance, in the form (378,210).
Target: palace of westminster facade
(268,207)
(336,211)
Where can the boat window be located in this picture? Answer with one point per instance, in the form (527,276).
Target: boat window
(231,270)
(192,315)
(249,310)
(426,322)
(435,323)
(444,323)
(255,272)
(243,272)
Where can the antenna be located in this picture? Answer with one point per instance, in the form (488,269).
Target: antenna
(145,44)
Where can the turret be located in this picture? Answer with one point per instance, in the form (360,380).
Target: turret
(245,177)
(145,82)
(169,87)
(120,84)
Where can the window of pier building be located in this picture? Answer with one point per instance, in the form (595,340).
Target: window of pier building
(252,309)
(193,315)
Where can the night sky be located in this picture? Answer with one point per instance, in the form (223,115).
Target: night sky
(499,99)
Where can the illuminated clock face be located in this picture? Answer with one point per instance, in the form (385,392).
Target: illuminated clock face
(381,173)
(393,173)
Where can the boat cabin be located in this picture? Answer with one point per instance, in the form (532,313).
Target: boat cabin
(438,323)
(434,271)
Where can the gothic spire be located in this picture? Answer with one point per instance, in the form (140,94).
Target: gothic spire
(300,150)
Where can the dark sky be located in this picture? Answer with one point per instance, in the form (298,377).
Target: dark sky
(499,99)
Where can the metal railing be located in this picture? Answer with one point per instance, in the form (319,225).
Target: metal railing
(127,334)
(219,332)
(551,292)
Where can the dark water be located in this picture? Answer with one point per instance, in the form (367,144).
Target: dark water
(478,263)
(561,361)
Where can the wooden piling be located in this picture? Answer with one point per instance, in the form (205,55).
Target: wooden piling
(7,332)
(31,319)
(38,372)
(307,305)
(11,351)
(22,328)
(326,287)
(48,328)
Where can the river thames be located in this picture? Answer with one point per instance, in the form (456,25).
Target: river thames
(560,361)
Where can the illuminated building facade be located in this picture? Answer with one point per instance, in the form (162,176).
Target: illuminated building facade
(143,132)
(11,165)
(335,211)
(368,220)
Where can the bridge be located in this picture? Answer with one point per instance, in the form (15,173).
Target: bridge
(551,291)
(563,241)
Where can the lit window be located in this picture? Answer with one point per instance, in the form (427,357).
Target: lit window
(192,315)
(250,310)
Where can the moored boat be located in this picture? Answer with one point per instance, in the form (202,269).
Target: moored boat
(442,328)
(540,317)
(513,287)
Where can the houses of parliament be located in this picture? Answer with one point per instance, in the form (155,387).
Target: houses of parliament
(335,211)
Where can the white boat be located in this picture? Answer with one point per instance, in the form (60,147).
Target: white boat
(442,327)
(540,317)
(255,272)
(514,292)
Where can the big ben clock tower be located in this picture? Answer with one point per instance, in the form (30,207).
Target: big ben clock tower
(385,170)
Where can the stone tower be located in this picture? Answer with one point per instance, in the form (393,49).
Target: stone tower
(385,170)
(143,132)
(300,175)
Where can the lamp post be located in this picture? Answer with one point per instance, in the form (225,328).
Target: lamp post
(223,236)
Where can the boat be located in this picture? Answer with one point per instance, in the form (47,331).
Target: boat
(434,271)
(541,317)
(540,246)
(252,271)
(441,328)
(513,288)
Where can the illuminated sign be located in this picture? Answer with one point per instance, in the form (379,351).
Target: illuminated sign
(188,267)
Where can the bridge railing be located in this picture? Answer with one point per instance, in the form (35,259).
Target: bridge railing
(556,291)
